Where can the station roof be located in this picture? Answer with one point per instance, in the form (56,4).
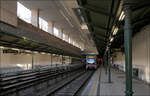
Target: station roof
(102,15)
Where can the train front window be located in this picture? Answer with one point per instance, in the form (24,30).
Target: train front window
(90,61)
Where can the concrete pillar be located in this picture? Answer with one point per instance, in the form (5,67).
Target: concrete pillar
(60,33)
(67,37)
(51,27)
(35,17)
(8,11)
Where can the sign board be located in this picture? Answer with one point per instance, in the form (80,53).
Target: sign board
(90,56)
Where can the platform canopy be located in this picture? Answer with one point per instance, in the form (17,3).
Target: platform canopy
(103,17)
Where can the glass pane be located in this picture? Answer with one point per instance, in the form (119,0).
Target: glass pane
(90,60)
(23,12)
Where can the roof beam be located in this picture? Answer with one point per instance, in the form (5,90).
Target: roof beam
(146,4)
(99,27)
(96,10)
(100,36)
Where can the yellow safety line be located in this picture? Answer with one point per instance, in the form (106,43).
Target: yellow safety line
(93,89)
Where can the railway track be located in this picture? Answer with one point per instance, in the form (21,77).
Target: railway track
(72,87)
(20,84)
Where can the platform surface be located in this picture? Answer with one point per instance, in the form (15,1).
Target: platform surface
(99,86)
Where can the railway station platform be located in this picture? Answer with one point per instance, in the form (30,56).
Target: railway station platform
(48,46)
(98,85)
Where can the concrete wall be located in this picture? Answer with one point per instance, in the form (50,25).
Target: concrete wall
(141,54)
(8,11)
(23,61)
(12,62)
(119,60)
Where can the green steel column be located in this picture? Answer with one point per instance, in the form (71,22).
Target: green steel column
(109,67)
(106,63)
(32,60)
(128,48)
(1,52)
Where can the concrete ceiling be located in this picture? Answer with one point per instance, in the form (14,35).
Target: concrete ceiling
(60,12)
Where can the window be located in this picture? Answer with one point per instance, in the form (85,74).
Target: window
(56,33)
(91,60)
(43,24)
(23,12)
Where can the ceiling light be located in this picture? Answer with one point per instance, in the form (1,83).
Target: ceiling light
(122,16)
(24,37)
(49,54)
(111,39)
(2,47)
(35,52)
(115,31)
(14,49)
(27,51)
(43,53)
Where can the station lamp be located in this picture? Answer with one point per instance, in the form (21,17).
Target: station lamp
(1,47)
(35,52)
(122,16)
(43,53)
(115,31)
(111,39)
(27,51)
(49,54)
(15,49)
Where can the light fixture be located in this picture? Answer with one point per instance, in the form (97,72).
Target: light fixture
(111,39)
(115,31)
(2,47)
(49,54)
(24,38)
(122,16)
(43,53)
(27,51)
(35,52)
(14,49)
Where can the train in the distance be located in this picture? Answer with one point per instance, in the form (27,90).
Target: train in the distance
(91,62)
